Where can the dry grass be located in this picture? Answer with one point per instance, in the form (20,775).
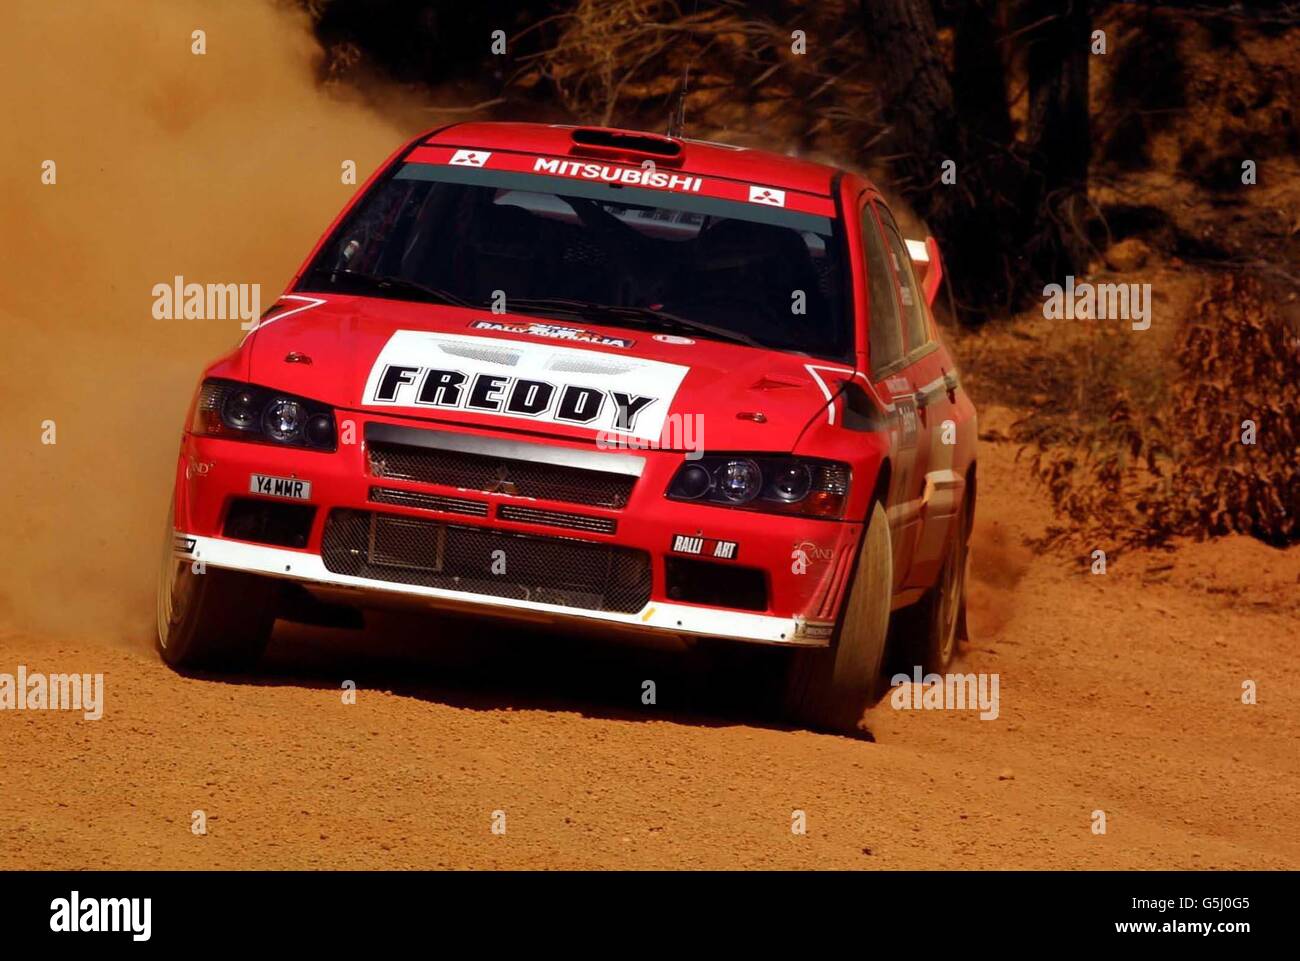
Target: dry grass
(1128,455)
(620,62)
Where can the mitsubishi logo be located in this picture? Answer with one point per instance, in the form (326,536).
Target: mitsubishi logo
(767,195)
(502,484)
(470,158)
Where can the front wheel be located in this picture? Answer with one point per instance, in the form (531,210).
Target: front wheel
(936,623)
(212,619)
(830,688)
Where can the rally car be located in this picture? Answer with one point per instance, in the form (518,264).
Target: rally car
(594,378)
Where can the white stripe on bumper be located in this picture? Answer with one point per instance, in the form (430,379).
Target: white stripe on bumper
(656,617)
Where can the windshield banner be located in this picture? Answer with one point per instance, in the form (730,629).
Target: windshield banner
(660,178)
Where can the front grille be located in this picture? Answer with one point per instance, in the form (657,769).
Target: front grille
(547,570)
(429,502)
(499,475)
(577,522)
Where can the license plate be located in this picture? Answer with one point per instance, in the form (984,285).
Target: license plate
(288,487)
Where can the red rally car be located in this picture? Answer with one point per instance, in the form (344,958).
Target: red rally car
(592,377)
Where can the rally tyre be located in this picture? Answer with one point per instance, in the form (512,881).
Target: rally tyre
(830,688)
(212,619)
(933,627)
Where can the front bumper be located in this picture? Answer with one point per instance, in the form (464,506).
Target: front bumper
(658,617)
(805,563)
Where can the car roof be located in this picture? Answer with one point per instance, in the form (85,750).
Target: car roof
(699,157)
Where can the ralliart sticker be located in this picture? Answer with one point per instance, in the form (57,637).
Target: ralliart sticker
(705,547)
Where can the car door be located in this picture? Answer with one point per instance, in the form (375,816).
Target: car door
(929,370)
(887,348)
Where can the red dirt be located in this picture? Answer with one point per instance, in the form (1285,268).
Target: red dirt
(1118,692)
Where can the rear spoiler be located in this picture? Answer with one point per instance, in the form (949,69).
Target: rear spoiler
(928,266)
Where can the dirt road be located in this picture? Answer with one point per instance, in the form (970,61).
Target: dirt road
(1119,693)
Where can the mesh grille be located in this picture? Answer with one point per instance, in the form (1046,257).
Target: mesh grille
(577,522)
(506,358)
(580,365)
(548,570)
(481,472)
(429,502)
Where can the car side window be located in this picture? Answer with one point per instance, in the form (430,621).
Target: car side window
(886,332)
(909,292)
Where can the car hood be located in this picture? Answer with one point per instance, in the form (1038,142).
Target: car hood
(555,377)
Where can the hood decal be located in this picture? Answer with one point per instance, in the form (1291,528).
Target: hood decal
(544,383)
(307,303)
(553,332)
(830,395)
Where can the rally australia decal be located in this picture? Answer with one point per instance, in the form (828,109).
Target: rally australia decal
(554,332)
(546,383)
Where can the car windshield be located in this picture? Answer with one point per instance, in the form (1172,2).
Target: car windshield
(621,256)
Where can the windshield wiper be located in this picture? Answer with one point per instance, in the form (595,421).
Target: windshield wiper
(386,283)
(647,316)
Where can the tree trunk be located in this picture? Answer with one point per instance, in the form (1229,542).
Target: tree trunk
(1058,137)
(920,106)
(979,76)
(1014,219)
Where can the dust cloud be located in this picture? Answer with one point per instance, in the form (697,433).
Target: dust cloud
(222,168)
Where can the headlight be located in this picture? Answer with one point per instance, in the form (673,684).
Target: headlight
(738,481)
(692,481)
(284,419)
(240,409)
(783,485)
(320,430)
(792,482)
(226,408)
